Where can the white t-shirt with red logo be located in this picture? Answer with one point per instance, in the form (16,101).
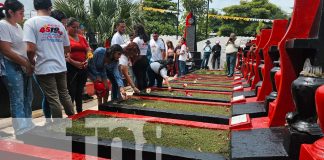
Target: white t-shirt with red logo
(50,37)
(156,47)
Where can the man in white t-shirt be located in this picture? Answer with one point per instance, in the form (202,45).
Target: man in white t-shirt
(118,37)
(157,48)
(124,67)
(47,45)
(160,70)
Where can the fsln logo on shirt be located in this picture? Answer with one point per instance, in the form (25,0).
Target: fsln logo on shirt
(50,29)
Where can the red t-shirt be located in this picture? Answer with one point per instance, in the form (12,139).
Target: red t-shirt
(79,49)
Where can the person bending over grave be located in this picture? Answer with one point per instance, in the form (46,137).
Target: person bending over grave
(160,70)
(98,75)
(113,73)
(131,55)
(109,64)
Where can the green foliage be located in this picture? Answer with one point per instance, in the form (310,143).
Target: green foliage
(163,23)
(256,9)
(101,15)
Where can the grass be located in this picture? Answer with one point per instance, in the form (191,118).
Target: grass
(209,72)
(183,107)
(203,82)
(202,87)
(193,139)
(194,95)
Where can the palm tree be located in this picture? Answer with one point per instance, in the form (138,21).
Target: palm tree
(100,15)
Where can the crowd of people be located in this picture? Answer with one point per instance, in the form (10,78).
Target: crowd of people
(51,51)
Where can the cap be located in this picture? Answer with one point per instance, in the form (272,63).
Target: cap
(100,87)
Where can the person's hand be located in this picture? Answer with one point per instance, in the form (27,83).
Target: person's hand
(136,90)
(123,93)
(169,88)
(67,58)
(29,68)
(78,65)
(85,64)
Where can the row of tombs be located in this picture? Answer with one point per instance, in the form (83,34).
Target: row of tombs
(271,109)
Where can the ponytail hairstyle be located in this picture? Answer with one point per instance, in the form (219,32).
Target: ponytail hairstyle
(111,51)
(140,32)
(13,5)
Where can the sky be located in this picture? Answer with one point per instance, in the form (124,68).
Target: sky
(285,5)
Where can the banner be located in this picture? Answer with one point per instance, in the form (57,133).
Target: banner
(240,18)
(158,10)
(212,15)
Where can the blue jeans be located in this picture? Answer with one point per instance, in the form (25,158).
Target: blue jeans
(115,93)
(45,106)
(205,60)
(19,86)
(182,68)
(231,61)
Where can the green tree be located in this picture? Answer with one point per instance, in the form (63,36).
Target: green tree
(214,23)
(101,15)
(256,9)
(153,19)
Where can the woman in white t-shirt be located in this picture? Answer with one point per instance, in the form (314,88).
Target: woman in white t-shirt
(131,54)
(183,55)
(16,71)
(140,66)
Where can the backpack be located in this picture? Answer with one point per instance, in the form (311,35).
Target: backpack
(207,49)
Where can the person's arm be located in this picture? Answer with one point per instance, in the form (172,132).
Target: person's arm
(162,48)
(118,79)
(163,74)
(124,70)
(214,49)
(174,57)
(30,39)
(67,49)
(182,50)
(5,48)
(31,52)
(149,53)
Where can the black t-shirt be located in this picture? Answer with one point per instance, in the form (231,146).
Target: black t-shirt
(217,49)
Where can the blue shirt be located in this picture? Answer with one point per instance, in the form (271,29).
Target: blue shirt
(1,65)
(113,69)
(96,67)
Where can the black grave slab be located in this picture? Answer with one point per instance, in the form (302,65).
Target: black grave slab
(254,109)
(259,144)
(247,94)
(246,85)
(183,97)
(40,136)
(199,117)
